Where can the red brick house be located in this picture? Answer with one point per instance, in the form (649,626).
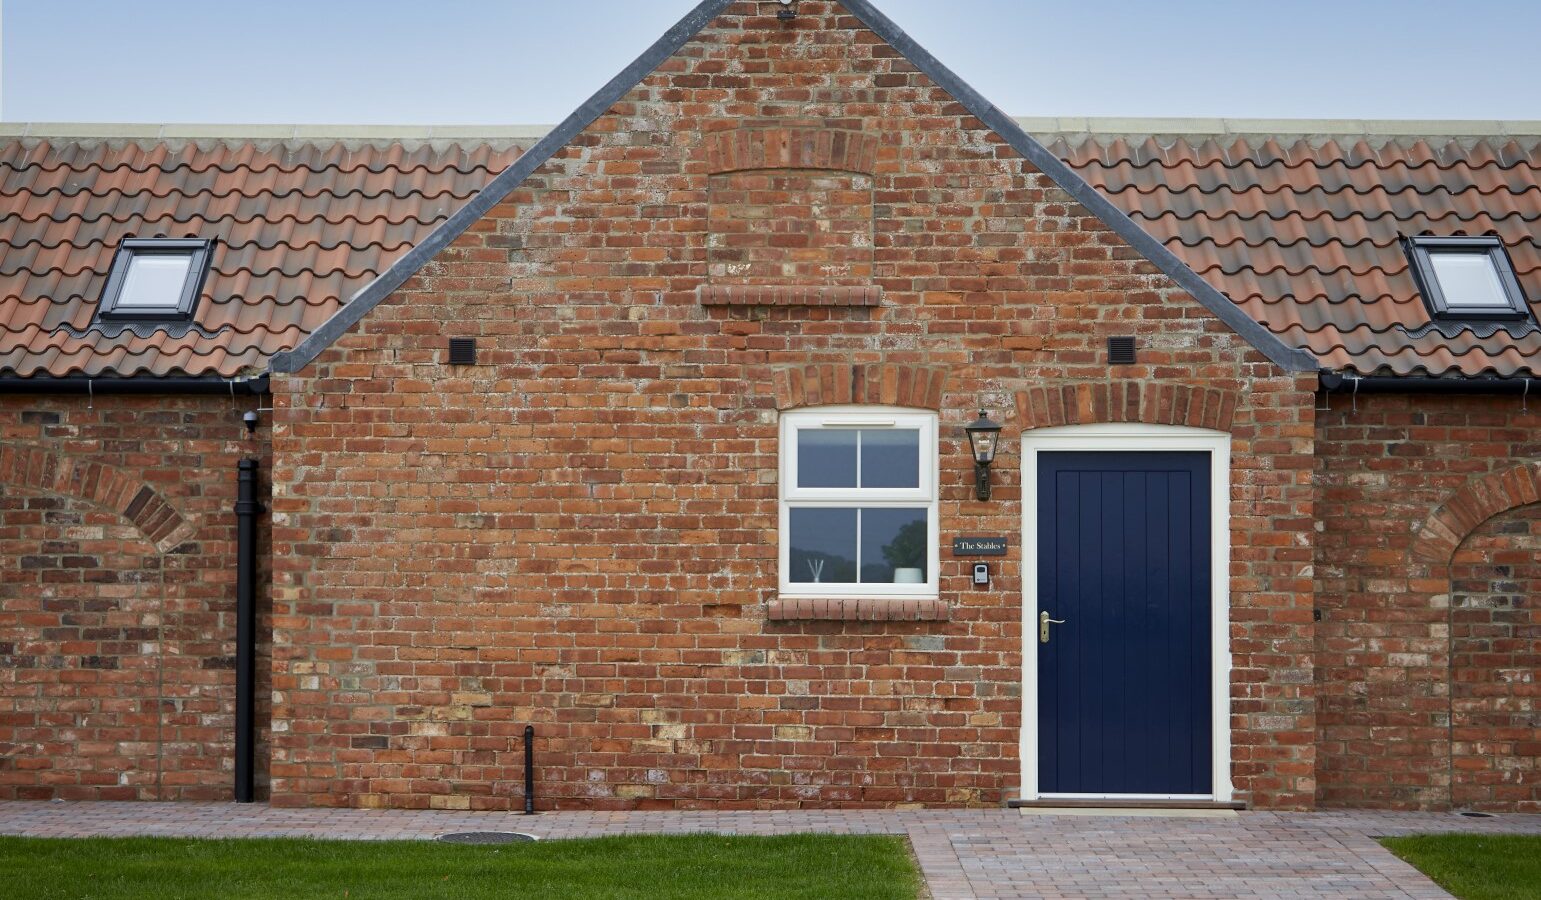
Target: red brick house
(656,441)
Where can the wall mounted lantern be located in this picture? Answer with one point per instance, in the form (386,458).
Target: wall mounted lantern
(983,435)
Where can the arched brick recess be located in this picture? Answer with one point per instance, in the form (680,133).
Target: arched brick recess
(1151,403)
(82,593)
(887,384)
(790,148)
(1480,500)
(1495,651)
(102,485)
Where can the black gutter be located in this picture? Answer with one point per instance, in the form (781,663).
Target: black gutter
(247,508)
(81,384)
(1338,383)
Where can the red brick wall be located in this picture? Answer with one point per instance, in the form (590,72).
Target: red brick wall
(581,531)
(1495,683)
(117,574)
(1403,480)
(789,227)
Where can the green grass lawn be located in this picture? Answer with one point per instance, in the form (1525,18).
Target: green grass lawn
(650,866)
(1476,866)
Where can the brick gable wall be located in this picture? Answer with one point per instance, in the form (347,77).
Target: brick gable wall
(580,532)
(117,599)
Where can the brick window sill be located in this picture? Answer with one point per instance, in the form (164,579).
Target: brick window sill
(857,609)
(789,295)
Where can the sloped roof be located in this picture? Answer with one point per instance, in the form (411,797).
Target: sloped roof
(1301,229)
(303,222)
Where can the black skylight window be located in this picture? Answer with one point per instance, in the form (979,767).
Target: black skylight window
(1465,278)
(155,280)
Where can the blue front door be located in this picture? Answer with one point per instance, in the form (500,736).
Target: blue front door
(1123,685)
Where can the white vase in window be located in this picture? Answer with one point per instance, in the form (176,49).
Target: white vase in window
(909,576)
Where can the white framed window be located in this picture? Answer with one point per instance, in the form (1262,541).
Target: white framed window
(858,502)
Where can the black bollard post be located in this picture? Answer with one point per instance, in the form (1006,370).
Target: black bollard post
(529,770)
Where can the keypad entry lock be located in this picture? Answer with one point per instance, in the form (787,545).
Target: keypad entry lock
(1043,626)
(981,575)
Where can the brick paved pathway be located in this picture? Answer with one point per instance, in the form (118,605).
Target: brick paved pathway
(964,853)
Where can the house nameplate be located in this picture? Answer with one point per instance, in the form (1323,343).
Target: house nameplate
(979,546)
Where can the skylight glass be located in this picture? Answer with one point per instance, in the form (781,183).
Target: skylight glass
(155,280)
(1468,280)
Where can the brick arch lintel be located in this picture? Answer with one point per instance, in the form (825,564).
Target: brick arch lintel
(790,148)
(101,485)
(1150,403)
(1478,501)
(886,384)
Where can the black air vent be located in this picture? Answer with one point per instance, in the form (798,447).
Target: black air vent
(462,351)
(1120,351)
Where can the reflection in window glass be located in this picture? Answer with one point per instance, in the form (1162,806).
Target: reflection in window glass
(822,547)
(826,458)
(890,458)
(894,545)
(1468,279)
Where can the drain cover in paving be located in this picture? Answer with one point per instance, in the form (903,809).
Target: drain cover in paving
(486,837)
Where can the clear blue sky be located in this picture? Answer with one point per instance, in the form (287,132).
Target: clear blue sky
(533,61)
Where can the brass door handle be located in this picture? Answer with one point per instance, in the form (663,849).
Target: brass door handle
(1043,626)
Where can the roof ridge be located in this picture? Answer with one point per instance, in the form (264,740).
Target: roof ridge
(1108,126)
(483,133)
(266,130)
(296,134)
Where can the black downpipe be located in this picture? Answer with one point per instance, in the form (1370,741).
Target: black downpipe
(247,509)
(529,770)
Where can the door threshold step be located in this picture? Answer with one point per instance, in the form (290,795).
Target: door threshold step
(1140,812)
(1113,805)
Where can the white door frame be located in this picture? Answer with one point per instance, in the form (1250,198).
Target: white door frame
(1133,437)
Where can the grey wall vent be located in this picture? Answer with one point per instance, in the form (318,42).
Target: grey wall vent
(462,351)
(1120,351)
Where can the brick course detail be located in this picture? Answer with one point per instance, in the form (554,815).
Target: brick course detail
(789,295)
(790,148)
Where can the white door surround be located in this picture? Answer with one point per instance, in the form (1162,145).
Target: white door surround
(1131,437)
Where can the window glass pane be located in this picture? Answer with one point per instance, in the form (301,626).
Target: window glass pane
(154,279)
(895,546)
(890,458)
(1468,279)
(823,546)
(826,457)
